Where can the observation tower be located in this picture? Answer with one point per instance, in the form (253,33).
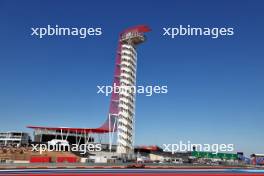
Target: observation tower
(121,117)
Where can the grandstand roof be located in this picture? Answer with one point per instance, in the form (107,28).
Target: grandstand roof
(79,130)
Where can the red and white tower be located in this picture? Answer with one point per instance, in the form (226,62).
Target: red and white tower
(125,77)
(121,117)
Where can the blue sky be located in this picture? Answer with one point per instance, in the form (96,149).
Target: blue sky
(215,85)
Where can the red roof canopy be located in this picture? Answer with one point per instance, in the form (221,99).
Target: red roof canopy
(139,28)
(78,130)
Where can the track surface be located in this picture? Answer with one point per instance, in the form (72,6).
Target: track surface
(131,172)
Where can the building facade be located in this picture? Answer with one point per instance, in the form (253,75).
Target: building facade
(14,138)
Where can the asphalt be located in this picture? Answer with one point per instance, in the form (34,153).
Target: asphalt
(128,172)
